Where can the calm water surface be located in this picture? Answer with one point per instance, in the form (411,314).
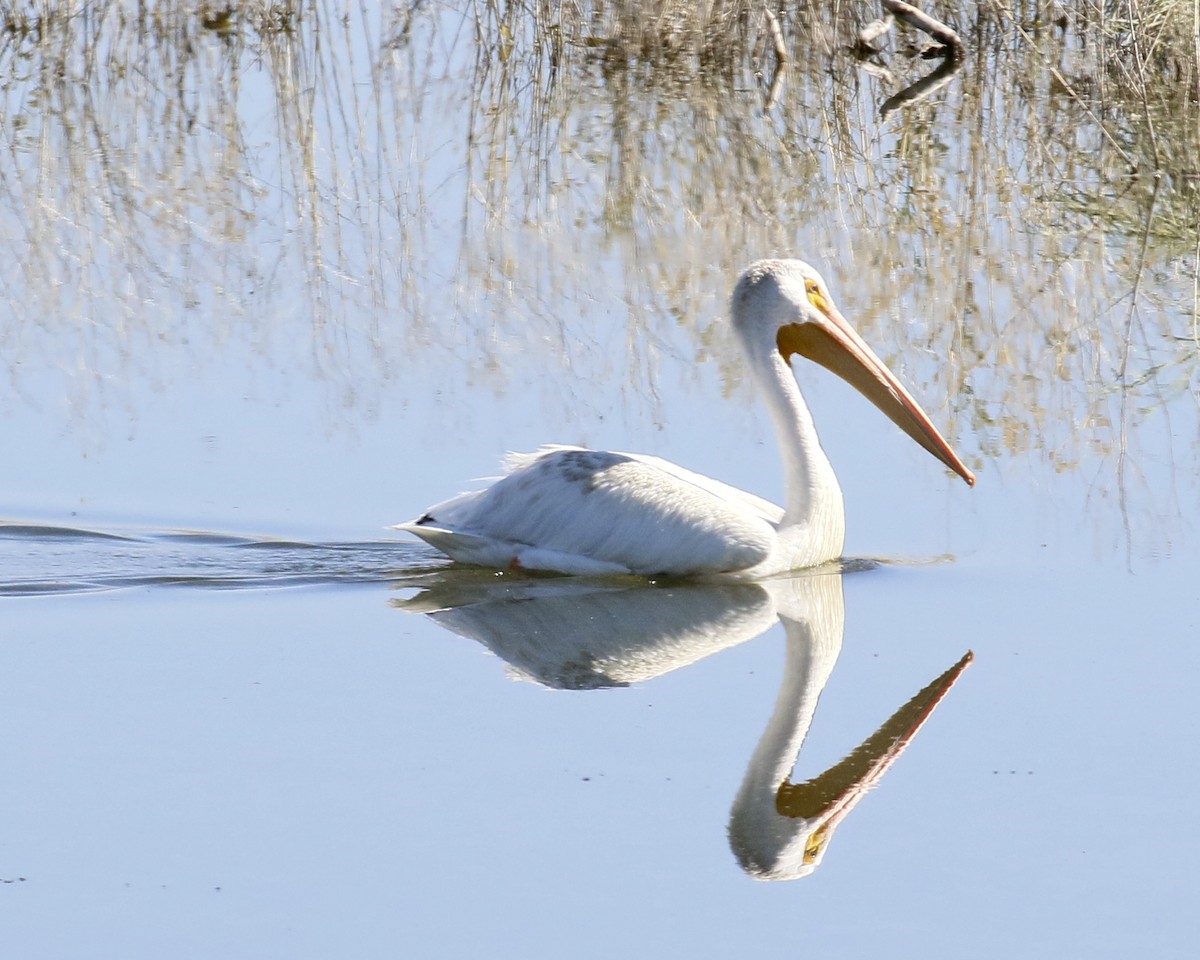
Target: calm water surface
(243,721)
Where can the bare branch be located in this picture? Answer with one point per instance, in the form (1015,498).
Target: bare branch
(924,22)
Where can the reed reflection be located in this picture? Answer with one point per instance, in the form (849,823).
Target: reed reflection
(581,634)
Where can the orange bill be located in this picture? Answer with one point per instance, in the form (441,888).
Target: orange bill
(833,344)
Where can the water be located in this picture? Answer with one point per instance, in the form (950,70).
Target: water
(319,292)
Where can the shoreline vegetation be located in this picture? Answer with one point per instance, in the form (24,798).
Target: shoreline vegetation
(164,164)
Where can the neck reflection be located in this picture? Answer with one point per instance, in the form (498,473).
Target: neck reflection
(583,633)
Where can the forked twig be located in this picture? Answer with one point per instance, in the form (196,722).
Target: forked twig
(897,10)
(923,21)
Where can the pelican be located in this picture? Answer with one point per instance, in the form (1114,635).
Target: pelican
(585,633)
(577,511)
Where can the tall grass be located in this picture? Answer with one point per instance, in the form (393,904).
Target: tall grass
(167,171)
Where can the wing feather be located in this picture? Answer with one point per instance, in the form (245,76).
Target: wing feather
(638,513)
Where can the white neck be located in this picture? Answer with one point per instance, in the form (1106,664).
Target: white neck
(813,616)
(813,528)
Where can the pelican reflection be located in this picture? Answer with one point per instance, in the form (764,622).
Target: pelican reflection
(577,633)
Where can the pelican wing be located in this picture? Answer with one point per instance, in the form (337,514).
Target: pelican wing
(589,511)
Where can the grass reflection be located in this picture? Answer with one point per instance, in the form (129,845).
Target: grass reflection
(370,187)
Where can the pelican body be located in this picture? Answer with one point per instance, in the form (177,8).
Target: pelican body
(577,511)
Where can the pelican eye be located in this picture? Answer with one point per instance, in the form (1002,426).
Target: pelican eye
(815,296)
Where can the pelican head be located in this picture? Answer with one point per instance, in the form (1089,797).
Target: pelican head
(787,300)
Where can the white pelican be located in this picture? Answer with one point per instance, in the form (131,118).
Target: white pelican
(577,511)
(584,633)
(779,829)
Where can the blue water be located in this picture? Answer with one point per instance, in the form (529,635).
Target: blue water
(243,719)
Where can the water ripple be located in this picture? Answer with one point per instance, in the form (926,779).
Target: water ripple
(42,559)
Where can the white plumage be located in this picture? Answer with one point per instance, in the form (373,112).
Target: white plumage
(577,511)
(591,511)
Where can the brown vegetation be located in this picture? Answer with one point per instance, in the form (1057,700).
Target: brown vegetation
(164,166)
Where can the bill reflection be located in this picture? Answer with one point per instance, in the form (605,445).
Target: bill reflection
(580,634)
